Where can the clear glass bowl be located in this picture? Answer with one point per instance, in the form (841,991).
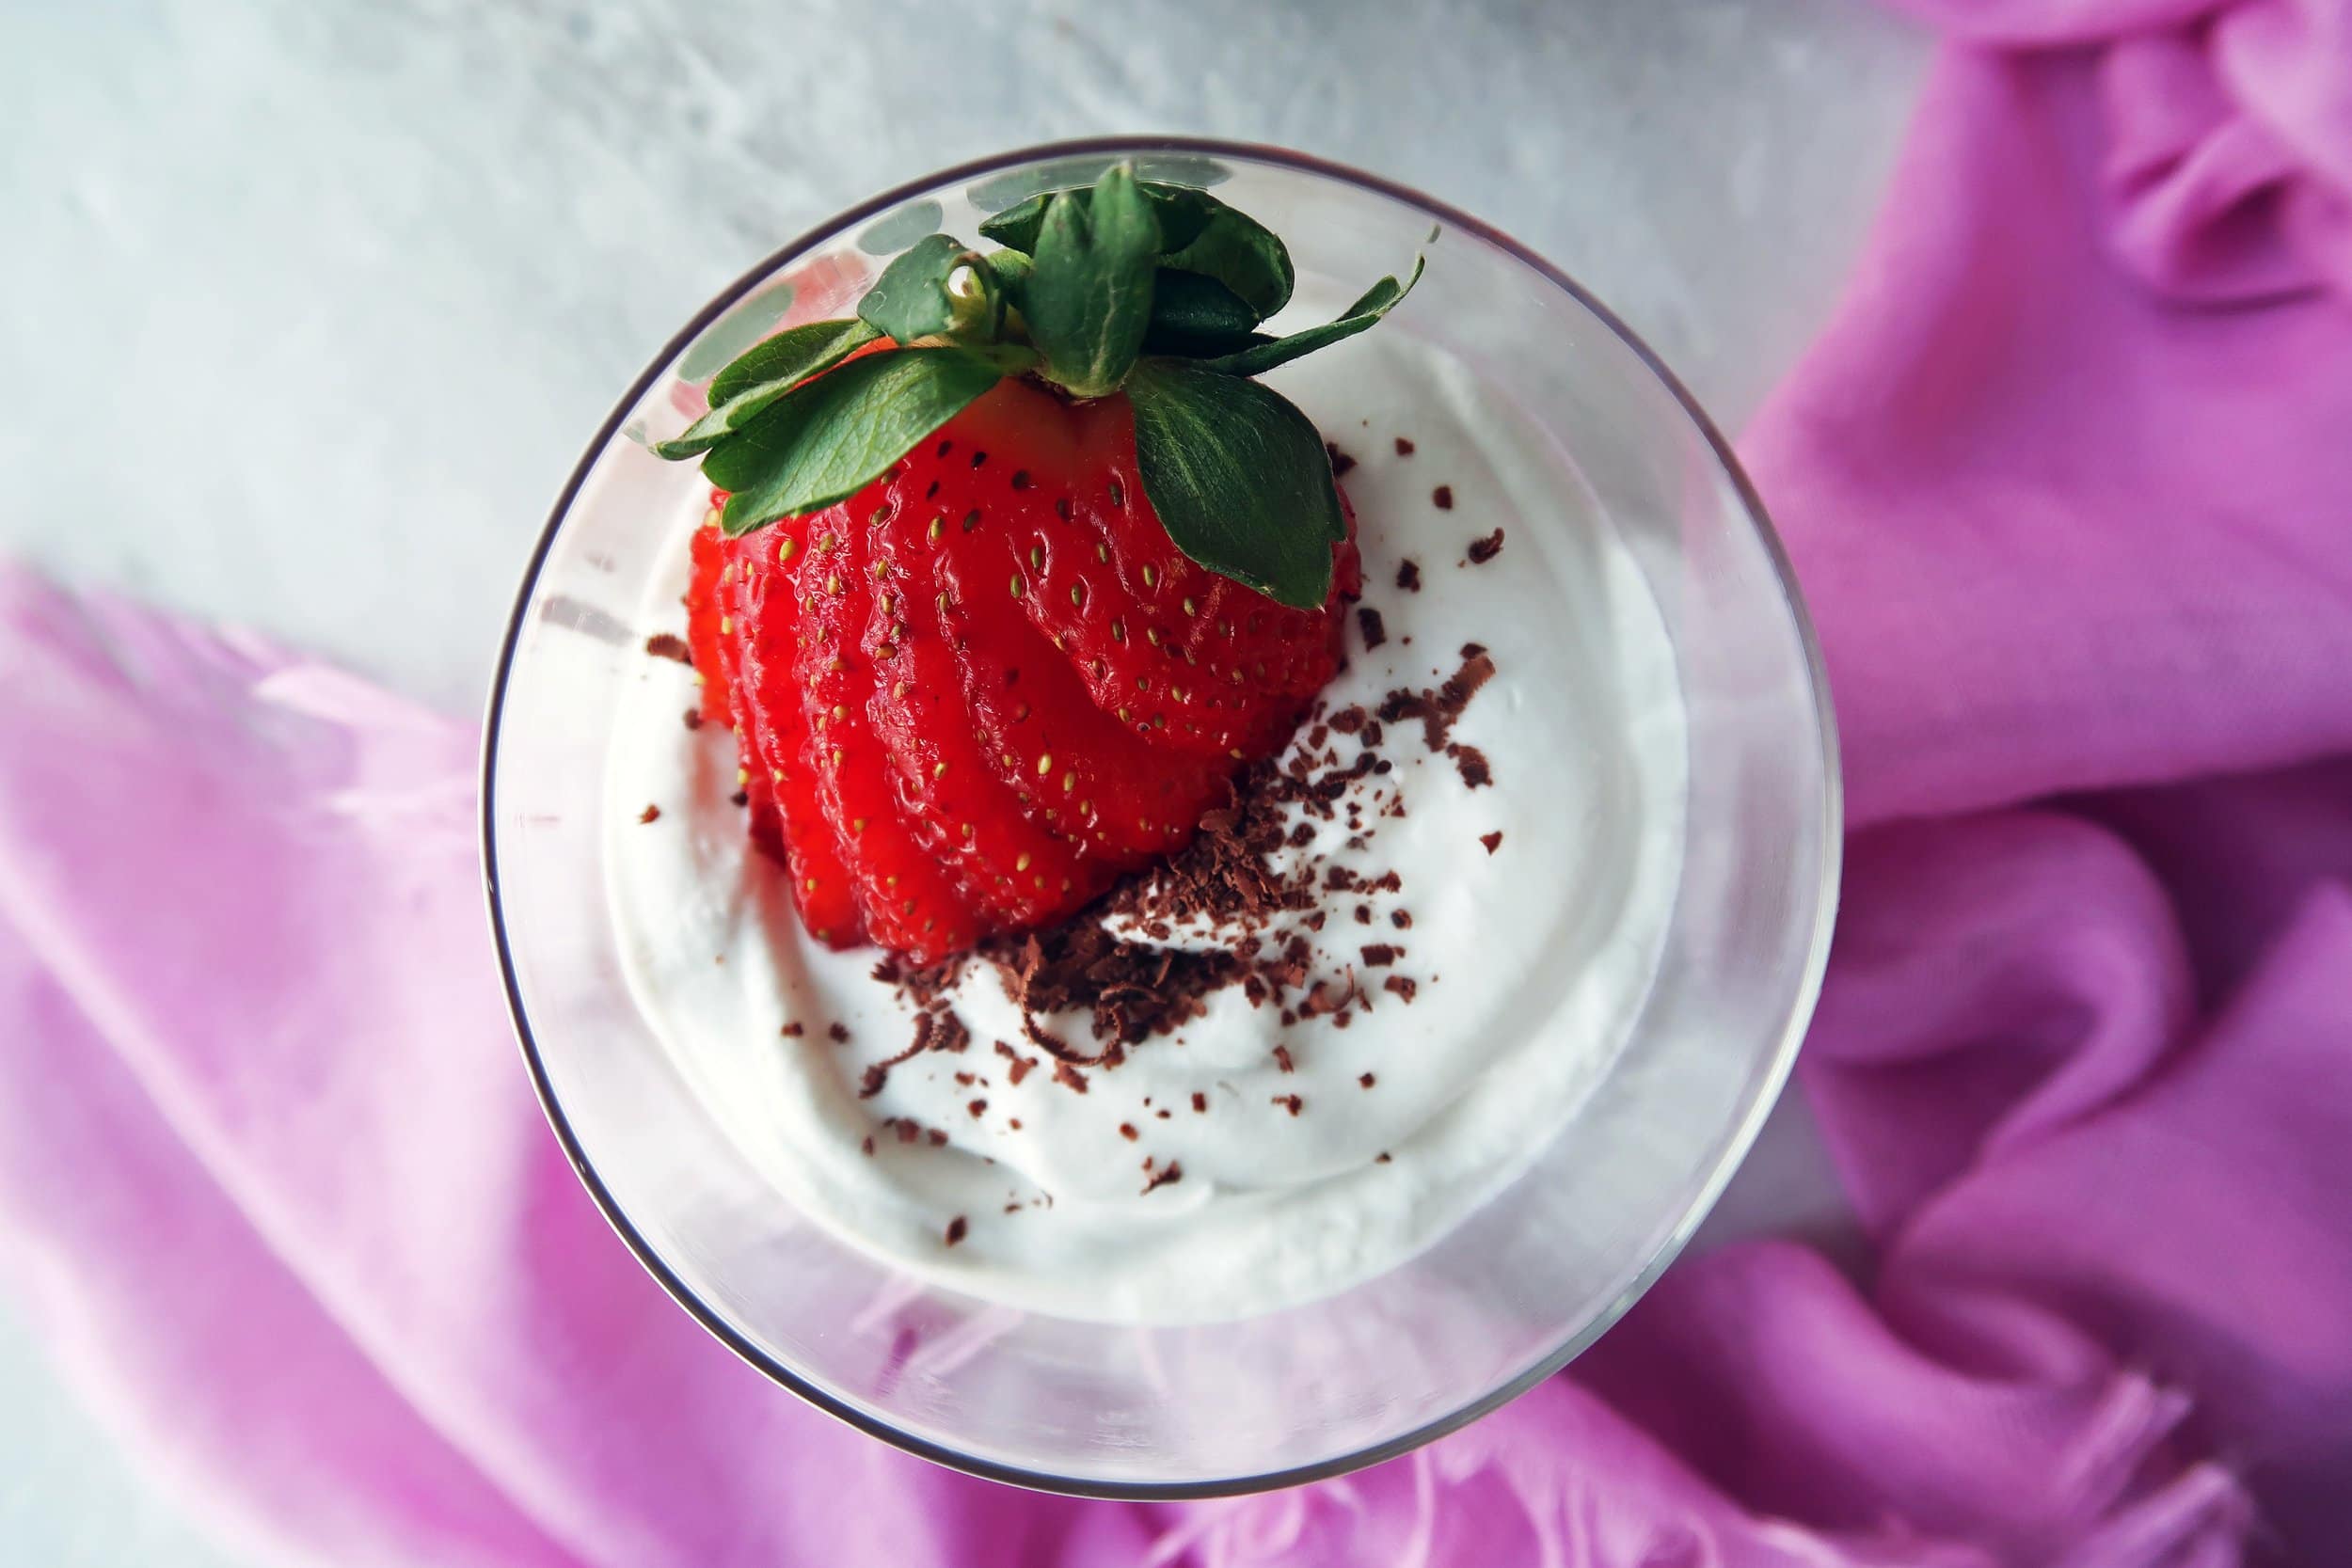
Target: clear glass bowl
(1502,1301)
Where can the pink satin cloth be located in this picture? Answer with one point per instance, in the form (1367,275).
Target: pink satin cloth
(2069,481)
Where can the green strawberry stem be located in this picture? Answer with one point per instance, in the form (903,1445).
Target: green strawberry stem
(1125,285)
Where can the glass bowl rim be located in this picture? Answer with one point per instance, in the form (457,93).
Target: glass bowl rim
(1767,1089)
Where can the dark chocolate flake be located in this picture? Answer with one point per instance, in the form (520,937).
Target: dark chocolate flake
(667,645)
(1483,550)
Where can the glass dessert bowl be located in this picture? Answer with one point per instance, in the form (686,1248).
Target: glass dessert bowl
(1376,1102)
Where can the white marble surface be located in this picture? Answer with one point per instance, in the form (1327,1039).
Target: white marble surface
(309,306)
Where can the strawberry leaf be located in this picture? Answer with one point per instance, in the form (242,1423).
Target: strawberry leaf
(911,299)
(1243,254)
(1089,294)
(829,438)
(1239,477)
(1181,210)
(1190,305)
(1198,235)
(764,374)
(1377,301)
(1010,269)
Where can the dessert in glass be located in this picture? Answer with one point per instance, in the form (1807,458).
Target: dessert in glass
(1159,817)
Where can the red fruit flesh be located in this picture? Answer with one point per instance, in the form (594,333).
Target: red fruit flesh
(988,684)
(1015,870)
(910,904)
(718,660)
(772,727)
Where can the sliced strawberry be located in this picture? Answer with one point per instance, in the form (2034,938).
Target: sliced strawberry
(1081,771)
(911,904)
(717,651)
(707,620)
(764,618)
(1014,868)
(990,682)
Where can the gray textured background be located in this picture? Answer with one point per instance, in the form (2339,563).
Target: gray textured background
(309,306)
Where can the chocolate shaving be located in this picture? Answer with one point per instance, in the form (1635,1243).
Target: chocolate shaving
(667,645)
(1130,991)
(956,1229)
(1341,462)
(694,719)
(793,1031)
(1022,1066)
(1199,1100)
(1492,841)
(1290,1102)
(837,1033)
(651,813)
(870,1081)
(1368,620)
(1127,1131)
(1379,955)
(1167,1175)
(1404,446)
(1365,1079)
(1402,986)
(1443,497)
(1408,575)
(1483,550)
(1283,1058)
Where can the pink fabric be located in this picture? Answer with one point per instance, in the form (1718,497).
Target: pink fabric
(2067,480)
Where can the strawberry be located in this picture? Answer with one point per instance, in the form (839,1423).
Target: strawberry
(996,607)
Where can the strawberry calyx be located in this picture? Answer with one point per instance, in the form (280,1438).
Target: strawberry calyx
(1154,291)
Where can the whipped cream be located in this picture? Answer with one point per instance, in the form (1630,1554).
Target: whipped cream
(1528,960)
